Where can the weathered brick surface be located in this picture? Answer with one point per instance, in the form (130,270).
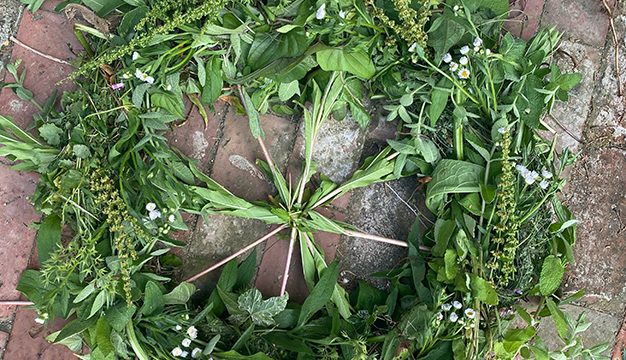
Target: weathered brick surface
(27,341)
(524,17)
(582,20)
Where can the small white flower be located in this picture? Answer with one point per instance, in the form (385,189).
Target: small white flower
(439,316)
(463,60)
(457,305)
(478,42)
(535,175)
(186,317)
(178,328)
(184,354)
(196,353)
(186,342)
(40,320)
(454,317)
(546,174)
(464,50)
(454,66)
(149,79)
(464,73)
(520,168)
(192,332)
(171,218)
(470,313)
(476,49)
(544,184)
(168,87)
(342,14)
(529,179)
(456,8)
(150,206)
(446,307)
(154,214)
(135,55)
(413,47)
(447,58)
(177,351)
(502,130)
(488,52)
(321,12)
(139,74)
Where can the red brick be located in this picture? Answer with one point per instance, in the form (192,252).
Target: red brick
(196,139)
(17,240)
(583,20)
(28,340)
(524,18)
(238,151)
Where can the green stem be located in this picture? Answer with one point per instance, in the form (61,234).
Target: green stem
(83,41)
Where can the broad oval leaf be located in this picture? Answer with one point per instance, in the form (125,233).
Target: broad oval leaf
(552,272)
(449,177)
(354,62)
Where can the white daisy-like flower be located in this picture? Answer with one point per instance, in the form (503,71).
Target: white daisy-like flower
(464,50)
(342,14)
(447,58)
(321,12)
(135,55)
(463,60)
(150,206)
(546,174)
(470,313)
(177,351)
(413,47)
(544,184)
(502,130)
(196,353)
(454,66)
(171,218)
(446,307)
(464,73)
(454,317)
(154,214)
(478,42)
(457,304)
(192,332)
(178,328)
(186,342)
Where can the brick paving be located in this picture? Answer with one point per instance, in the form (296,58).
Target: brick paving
(224,148)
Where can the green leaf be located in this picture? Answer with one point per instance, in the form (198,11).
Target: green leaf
(75,327)
(253,116)
(183,172)
(119,316)
(85,293)
(287,90)
(234,355)
(98,302)
(427,149)
(451,266)
(81,151)
(452,176)
(261,311)
(438,101)
(51,133)
(48,237)
(267,48)
(483,290)
(169,102)
(211,345)
(354,62)
(559,319)
(32,286)
(153,301)
(444,33)
(551,276)
(320,295)
(180,295)
(212,89)
(103,336)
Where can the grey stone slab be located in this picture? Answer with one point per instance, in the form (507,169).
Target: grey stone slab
(9,16)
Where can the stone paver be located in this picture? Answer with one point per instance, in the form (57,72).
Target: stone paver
(9,15)
(4,339)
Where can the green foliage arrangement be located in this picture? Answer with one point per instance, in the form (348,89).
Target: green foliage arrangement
(469,101)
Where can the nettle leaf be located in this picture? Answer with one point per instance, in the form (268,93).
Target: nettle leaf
(180,295)
(153,299)
(358,63)
(452,176)
(483,290)
(269,47)
(261,311)
(551,276)
(51,133)
(444,33)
